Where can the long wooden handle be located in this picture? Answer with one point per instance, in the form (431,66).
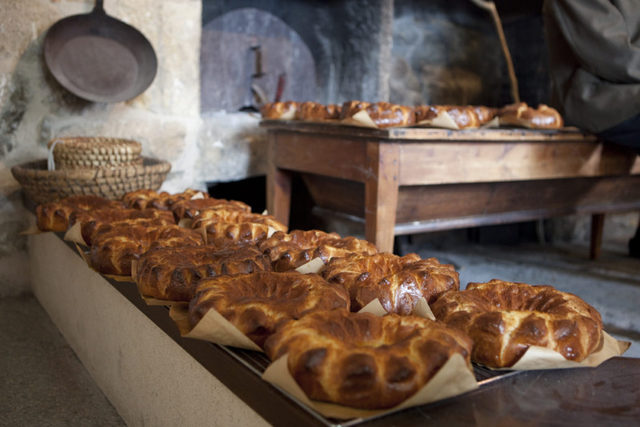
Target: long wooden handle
(491,7)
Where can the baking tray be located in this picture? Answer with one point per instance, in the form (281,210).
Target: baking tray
(241,370)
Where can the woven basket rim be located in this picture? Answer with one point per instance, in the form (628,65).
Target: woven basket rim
(42,185)
(92,140)
(39,168)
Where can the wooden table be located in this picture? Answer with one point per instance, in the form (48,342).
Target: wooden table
(410,180)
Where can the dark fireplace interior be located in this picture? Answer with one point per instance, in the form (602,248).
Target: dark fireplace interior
(403,51)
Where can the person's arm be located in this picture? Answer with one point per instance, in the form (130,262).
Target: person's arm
(604,34)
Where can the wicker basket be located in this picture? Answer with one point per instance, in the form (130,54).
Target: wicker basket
(94,152)
(42,185)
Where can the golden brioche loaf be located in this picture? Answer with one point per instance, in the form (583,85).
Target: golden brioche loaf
(234,216)
(289,251)
(521,114)
(383,114)
(173,273)
(55,216)
(362,360)
(504,318)
(143,199)
(279,110)
(191,208)
(112,251)
(259,303)
(102,220)
(223,234)
(397,282)
(317,112)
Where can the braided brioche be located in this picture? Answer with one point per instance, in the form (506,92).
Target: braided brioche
(289,251)
(258,303)
(143,199)
(234,216)
(173,273)
(362,360)
(316,112)
(520,114)
(103,220)
(189,209)
(55,216)
(504,318)
(383,114)
(112,251)
(279,110)
(462,117)
(397,282)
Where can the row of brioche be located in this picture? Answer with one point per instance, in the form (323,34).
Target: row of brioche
(385,114)
(217,255)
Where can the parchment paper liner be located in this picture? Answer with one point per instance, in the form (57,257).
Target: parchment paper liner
(452,379)
(543,358)
(74,234)
(32,230)
(361,118)
(212,327)
(442,120)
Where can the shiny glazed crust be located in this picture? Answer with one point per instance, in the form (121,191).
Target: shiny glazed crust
(504,318)
(55,216)
(173,273)
(99,221)
(279,110)
(398,282)
(316,112)
(234,216)
(258,303)
(289,251)
(520,114)
(143,199)
(191,208)
(112,251)
(383,114)
(365,361)
(464,116)
(223,234)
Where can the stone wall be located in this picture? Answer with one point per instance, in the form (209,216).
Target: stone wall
(34,107)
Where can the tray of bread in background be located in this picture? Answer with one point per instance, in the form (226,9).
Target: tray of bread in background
(385,115)
(347,332)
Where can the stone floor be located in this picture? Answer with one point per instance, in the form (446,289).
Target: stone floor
(43,383)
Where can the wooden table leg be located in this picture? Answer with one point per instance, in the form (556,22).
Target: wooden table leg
(381,194)
(597,226)
(278,187)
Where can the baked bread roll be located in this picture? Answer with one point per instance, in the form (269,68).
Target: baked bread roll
(382,114)
(189,209)
(55,216)
(102,220)
(149,199)
(173,273)
(454,116)
(504,318)
(259,303)
(279,110)
(234,216)
(224,234)
(289,251)
(484,114)
(316,112)
(398,282)
(520,114)
(362,360)
(112,251)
